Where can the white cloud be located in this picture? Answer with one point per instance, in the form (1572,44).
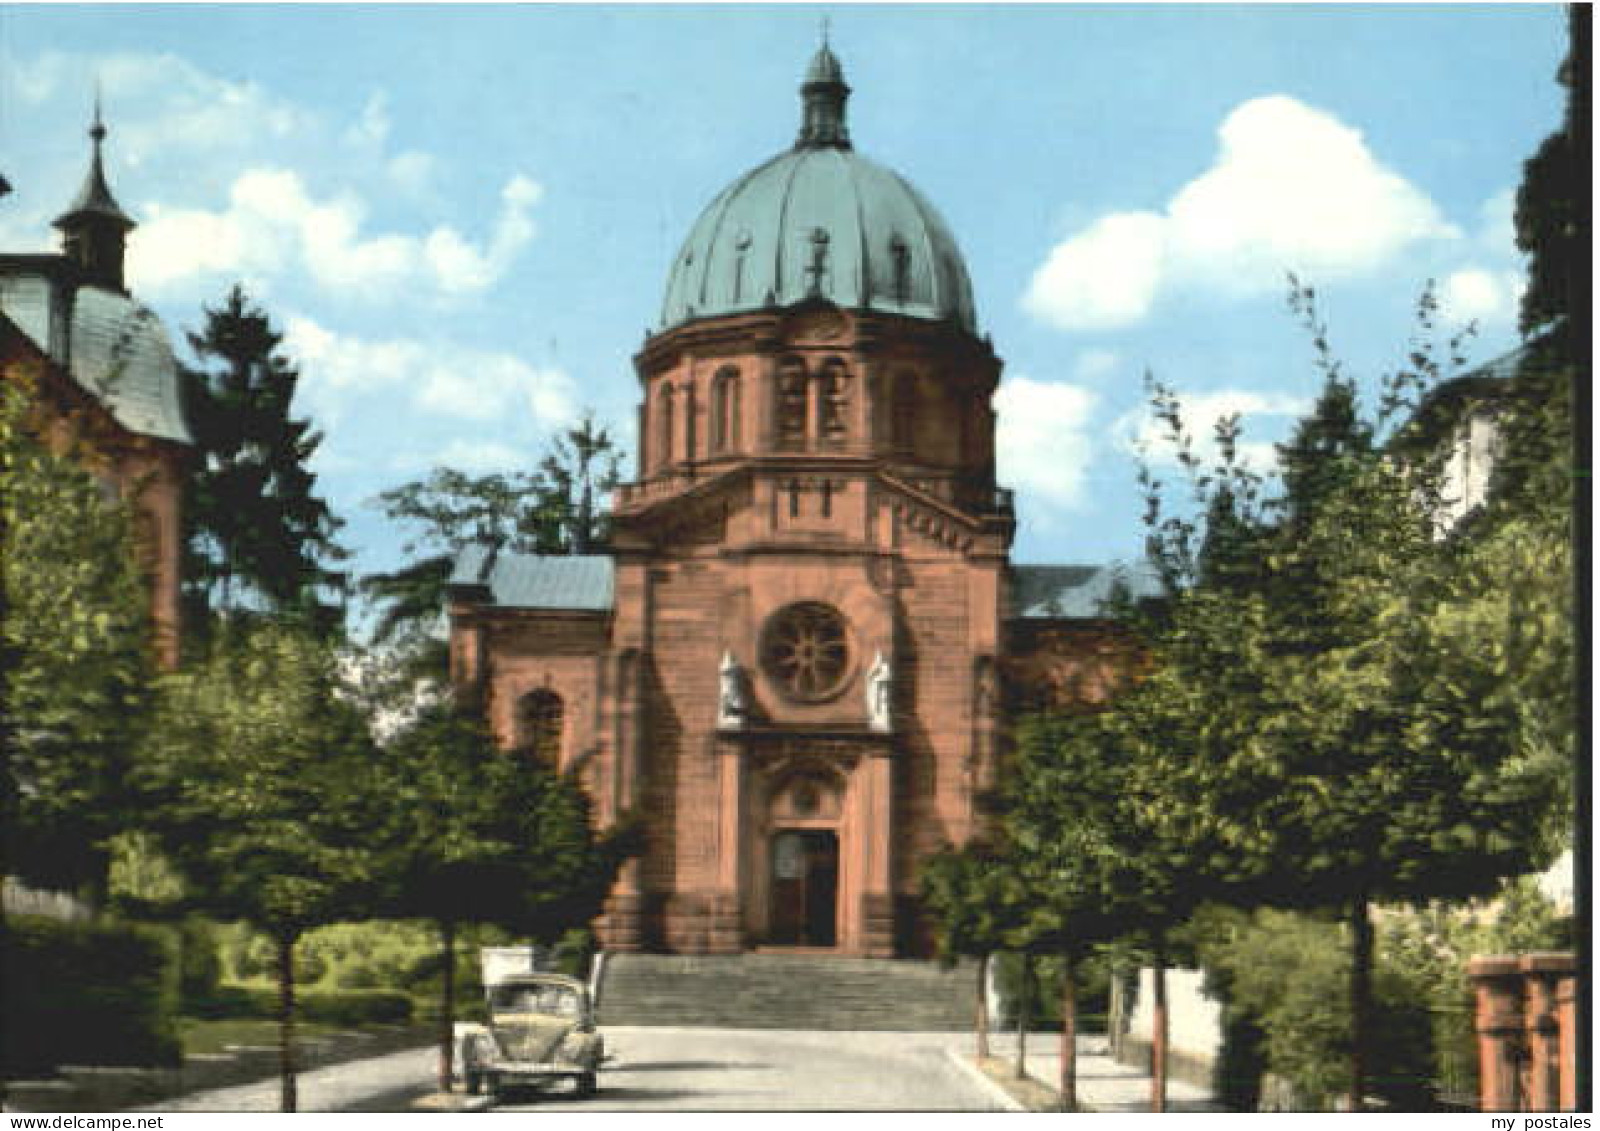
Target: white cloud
(1042,441)
(1104,277)
(1140,433)
(161,105)
(438,379)
(373,125)
(1291,188)
(273,225)
(1482,295)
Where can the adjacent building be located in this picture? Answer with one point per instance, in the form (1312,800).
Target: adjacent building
(100,367)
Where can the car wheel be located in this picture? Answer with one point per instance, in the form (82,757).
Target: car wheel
(588,1085)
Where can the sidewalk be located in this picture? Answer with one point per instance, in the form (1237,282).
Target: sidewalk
(1103,1084)
(335,1088)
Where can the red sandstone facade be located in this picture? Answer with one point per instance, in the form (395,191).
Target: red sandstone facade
(779,477)
(793,664)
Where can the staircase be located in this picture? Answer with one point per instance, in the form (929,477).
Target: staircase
(784,991)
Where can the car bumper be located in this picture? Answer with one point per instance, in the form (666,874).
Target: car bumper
(535,1071)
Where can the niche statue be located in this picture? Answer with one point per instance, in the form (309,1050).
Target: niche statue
(880,687)
(730,694)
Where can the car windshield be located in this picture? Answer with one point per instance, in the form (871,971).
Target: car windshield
(561,1001)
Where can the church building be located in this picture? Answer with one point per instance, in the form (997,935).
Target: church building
(795,660)
(100,370)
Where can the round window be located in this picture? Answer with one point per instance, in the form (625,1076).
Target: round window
(806,651)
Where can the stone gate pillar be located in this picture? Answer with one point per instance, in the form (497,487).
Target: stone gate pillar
(1497,988)
(1526,1035)
(1541,975)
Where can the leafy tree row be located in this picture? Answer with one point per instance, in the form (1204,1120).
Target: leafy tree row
(279,809)
(255,770)
(1347,702)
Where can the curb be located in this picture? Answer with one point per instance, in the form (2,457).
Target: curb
(995,1092)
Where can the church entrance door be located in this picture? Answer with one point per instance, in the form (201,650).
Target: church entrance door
(805,887)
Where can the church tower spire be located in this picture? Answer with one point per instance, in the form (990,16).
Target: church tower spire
(824,94)
(94,230)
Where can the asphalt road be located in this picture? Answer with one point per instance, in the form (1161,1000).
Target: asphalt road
(774,1070)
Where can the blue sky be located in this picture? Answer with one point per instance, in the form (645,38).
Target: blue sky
(463,216)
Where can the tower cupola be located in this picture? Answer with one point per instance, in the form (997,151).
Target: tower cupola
(94,230)
(824,94)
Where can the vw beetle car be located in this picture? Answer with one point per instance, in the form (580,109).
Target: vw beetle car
(541,1029)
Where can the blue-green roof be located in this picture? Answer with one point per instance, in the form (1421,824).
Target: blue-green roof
(820,222)
(582,582)
(1077,592)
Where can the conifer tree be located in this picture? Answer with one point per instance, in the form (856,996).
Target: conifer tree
(260,539)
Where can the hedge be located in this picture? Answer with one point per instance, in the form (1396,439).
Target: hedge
(98,993)
(341,1008)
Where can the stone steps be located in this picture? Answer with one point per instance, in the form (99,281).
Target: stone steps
(775,991)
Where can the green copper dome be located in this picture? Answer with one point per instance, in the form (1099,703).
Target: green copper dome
(820,222)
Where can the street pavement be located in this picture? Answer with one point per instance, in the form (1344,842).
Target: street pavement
(777,1070)
(340,1087)
(1103,1084)
(660,1069)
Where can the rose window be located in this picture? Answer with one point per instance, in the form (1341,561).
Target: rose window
(806,651)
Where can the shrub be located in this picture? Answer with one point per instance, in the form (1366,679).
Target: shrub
(199,964)
(1288,975)
(100,993)
(1435,943)
(355,1008)
(350,1009)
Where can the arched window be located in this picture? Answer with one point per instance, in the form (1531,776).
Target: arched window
(539,722)
(833,398)
(664,426)
(791,403)
(725,410)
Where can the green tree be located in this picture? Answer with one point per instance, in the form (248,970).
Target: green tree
(583,465)
(259,538)
(481,835)
(264,790)
(553,510)
(1337,751)
(975,903)
(75,633)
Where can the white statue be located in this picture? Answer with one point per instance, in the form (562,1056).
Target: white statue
(880,683)
(730,695)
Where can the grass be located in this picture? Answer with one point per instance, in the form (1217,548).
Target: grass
(208,1037)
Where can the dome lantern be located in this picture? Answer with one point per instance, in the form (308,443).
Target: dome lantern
(824,94)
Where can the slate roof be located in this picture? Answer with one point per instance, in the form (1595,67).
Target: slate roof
(581,582)
(114,347)
(1076,592)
